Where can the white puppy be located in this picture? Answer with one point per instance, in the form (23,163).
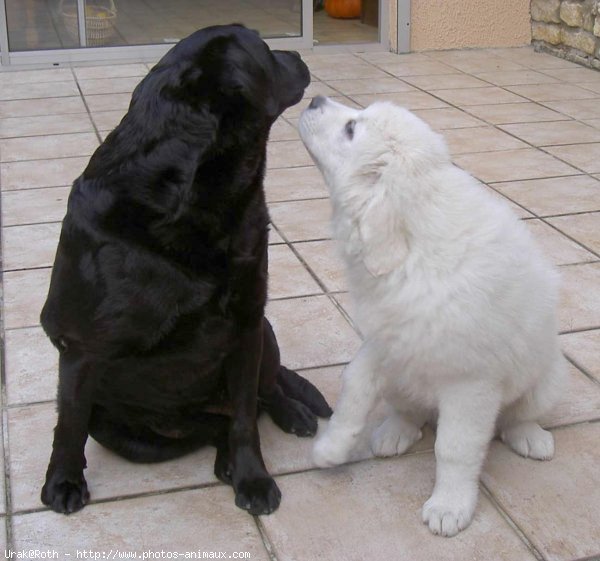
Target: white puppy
(455,302)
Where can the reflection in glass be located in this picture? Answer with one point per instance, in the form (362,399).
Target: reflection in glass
(146,22)
(38,25)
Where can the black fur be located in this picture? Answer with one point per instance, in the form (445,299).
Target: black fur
(157,296)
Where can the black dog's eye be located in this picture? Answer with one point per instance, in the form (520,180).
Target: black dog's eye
(349,128)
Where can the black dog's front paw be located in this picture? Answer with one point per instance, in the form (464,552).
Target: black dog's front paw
(65,494)
(258,496)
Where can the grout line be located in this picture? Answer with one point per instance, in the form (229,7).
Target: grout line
(87,108)
(579,330)
(513,525)
(582,369)
(266,541)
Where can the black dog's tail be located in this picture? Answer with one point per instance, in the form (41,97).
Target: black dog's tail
(143,445)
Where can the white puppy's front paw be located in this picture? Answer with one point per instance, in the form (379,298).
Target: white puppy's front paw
(394,436)
(529,440)
(446,514)
(330,452)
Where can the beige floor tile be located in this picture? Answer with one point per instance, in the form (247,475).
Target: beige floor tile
(445,81)
(287,276)
(323,259)
(274,237)
(478,96)
(579,402)
(147,524)
(559,249)
(108,475)
(24,295)
(31,366)
(108,102)
(312,332)
(303,220)
(295,111)
(109,85)
(550,92)
(379,57)
(448,118)
(592,86)
(593,123)
(372,510)
(554,196)
(573,74)
(537,61)
(512,165)
(44,125)
(432,68)
(288,184)
(319,88)
(585,228)
(353,72)
(480,139)
(111,71)
(584,348)
(287,153)
(107,120)
(36,76)
(370,86)
(517,209)
(34,107)
(578,108)
(34,205)
(38,90)
(487,64)
(546,134)
(554,503)
(516,77)
(580,297)
(583,156)
(515,113)
(282,130)
(27,247)
(410,100)
(42,173)
(46,147)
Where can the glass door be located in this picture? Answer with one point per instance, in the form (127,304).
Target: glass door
(55,31)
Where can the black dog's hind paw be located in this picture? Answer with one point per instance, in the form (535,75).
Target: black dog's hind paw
(293,417)
(295,386)
(258,496)
(65,494)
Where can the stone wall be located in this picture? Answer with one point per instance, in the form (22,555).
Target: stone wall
(568,28)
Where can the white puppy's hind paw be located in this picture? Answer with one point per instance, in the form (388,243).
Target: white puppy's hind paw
(394,436)
(448,515)
(529,440)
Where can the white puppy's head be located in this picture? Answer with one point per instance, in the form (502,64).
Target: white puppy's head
(373,161)
(350,144)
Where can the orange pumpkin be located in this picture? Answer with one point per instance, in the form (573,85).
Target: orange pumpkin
(346,9)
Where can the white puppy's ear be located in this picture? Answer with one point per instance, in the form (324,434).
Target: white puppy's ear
(383,238)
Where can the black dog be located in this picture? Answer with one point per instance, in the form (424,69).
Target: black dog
(157,296)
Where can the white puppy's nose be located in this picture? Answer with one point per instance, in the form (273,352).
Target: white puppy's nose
(317,102)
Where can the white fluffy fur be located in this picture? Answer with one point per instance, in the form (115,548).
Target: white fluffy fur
(455,302)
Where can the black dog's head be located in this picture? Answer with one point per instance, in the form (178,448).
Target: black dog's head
(229,71)
(220,88)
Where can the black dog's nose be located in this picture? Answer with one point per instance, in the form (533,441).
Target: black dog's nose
(317,101)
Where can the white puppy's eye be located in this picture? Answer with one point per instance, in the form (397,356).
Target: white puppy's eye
(349,129)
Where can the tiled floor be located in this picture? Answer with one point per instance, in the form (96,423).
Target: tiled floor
(526,124)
